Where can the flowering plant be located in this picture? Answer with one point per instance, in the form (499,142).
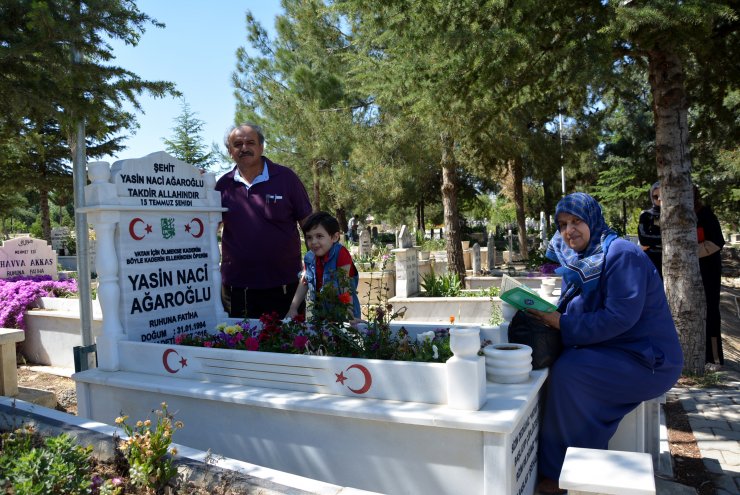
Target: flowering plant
(18,294)
(328,331)
(147,449)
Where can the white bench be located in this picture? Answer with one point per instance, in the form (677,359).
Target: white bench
(607,472)
(8,372)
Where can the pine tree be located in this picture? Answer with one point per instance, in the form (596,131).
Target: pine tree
(187,144)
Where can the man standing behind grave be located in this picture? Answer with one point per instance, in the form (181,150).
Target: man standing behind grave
(260,245)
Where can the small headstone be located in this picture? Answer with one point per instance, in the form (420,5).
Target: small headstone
(491,254)
(26,257)
(510,236)
(58,237)
(404,238)
(543,231)
(475,259)
(366,244)
(407,272)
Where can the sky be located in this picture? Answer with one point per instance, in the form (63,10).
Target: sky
(196,51)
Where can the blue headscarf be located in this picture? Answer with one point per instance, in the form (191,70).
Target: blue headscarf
(581,269)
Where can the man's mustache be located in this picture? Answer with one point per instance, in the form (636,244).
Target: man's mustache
(246,153)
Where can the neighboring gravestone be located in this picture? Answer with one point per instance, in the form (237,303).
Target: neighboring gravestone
(155,221)
(491,254)
(475,259)
(404,238)
(26,257)
(58,240)
(407,272)
(543,231)
(366,244)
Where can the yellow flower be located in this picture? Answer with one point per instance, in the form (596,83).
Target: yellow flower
(452,320)
(232,329)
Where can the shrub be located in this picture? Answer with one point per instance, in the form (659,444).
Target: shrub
(52,465)
(447,285)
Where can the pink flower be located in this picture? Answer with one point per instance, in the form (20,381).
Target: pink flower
(300,341)
(207,344)
(252,344)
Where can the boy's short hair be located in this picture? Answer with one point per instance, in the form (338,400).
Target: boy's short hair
(321,218)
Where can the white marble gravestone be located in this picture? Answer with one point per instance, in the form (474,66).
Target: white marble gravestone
(58,236)
(475,261)
(158,261)
(366,245)
(26,257)
(404,238)
(491,253)
(407,272)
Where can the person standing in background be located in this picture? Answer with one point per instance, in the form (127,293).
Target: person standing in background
(261,245)
(648,230)
(710,239)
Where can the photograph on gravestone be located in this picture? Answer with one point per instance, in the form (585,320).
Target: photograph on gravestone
(165,270)
(26,257)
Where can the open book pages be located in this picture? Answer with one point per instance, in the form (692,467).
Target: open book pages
(522,297)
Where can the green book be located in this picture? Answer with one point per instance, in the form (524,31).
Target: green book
(522,297)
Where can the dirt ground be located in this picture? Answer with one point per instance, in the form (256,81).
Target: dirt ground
(688,466)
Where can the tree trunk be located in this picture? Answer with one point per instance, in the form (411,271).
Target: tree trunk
(342,219)
(517,176)
(420,222)
(455,261)
(682,279)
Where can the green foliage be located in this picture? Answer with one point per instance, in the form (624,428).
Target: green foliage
(446,285)
(52,465)
(433,245)
(147,449)
(187,143)
(501,212)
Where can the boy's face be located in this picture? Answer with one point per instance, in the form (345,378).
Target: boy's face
(319,241)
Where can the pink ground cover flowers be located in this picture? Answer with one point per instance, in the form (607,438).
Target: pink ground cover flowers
(18,294)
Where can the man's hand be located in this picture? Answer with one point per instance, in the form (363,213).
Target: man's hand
(551,319)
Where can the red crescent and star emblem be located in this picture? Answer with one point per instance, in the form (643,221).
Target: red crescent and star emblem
(367,377)
(132,228)
(165,361)
(199,222)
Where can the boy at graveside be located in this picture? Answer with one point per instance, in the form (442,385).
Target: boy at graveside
(324,257)
(620,345)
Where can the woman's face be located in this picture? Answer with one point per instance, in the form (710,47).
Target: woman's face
(656,196)
(574,231)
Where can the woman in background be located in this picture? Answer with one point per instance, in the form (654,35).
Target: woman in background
(710,238)
(648,230)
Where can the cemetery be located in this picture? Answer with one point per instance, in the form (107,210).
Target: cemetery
(382,426)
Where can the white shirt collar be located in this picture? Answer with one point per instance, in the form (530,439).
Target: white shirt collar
(263,177)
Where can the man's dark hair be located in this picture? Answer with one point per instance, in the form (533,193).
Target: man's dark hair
(321,218)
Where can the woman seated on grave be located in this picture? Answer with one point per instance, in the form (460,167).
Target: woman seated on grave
(620,344)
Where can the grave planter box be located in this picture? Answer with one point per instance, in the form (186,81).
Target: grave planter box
(395,380)
(354,377)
